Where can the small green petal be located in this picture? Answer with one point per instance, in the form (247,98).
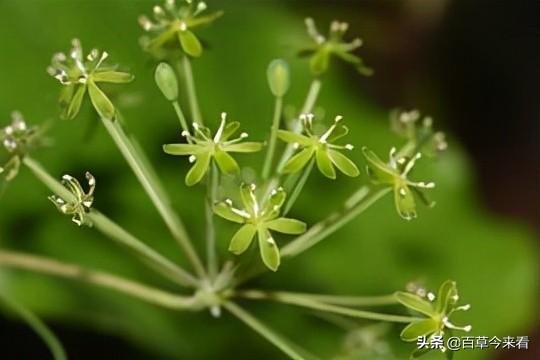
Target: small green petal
(247,196)
(223,210)
(404,200)
(76,102)
(338,133)
(292,137)
(242,239)
(229,130)
(181,149)
(190,44)
(446,296)
(269,250)
(423,197)
(419,328)
(101,102)
(245,147)
(226,162)
(66,94)
(298,161)
(116,77)
(198,170)
(343,163)
(416,303)
(325,164)
(319,62)
(287,226)
(378,170)
(277,198)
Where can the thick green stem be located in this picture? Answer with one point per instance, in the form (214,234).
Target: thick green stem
(52,267)
(191,92)
(294,299)
(298,187)
(263,330)
(278,108)
(211,198)
(152,186)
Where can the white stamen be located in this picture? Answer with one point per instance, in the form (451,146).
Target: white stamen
(192,158)
(183,26)
(296,146)
(228,202)
(185,133)
(271,241)
(349,147)
(244,135)
(403,192)
(465,307)
(431,296)
(158,10)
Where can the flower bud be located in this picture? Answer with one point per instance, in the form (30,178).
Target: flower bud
(278,77)
(166,81)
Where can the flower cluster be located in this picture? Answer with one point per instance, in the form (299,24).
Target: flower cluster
(78,74)
(259,218)
(325,48)
(80,202)
(172,27)
(321,147)
(202,147)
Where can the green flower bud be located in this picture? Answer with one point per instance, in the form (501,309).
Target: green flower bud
(166,81)
(278,77)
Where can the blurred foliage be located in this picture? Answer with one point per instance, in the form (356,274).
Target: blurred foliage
(494,261)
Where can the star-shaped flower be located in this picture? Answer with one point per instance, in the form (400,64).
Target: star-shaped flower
(172,25)
(394,173)
(332,46)
(259,218)
(203,147)
(78,74)
(437,309)
(82,201)
(320,147)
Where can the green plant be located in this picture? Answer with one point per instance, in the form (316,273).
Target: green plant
(218,284)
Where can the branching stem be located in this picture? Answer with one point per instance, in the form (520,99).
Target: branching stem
(278,109)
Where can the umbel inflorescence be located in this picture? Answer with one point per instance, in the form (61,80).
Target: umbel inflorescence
(291,152)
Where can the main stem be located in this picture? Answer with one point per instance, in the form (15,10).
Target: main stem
(154,190)
(211,196)
(191,91)
(278,108)
(137,290)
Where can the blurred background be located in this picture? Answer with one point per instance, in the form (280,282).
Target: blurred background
(472,65)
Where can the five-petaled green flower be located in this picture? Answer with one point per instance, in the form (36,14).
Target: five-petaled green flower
(203,147)
(82,201)
(327,47)
(259,218)
(17,139)
(172,26)
(79,73)
(394,173)
(438,309)
(321,147)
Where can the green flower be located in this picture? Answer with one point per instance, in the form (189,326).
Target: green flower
(172,25)
(259,218)
(78,74)
(82,201)
(407,124)
(332,46)
(320,147)
(437,309)
(17,139)
(202,148)
(394,173)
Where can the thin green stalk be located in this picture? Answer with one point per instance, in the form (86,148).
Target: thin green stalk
(48,337)
(353,301)
(115,232)
(298,187)
(191,92)
(294,299)
(211,198)
(153,188)
(263,330)
(137,290)
(278,109)
(331,224)
(181,117)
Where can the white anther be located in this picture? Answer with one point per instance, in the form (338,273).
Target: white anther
(195,125)
(228,202)
(252,187)
(271,241)
(403,192)
(192,158)
(349,146)
(431,296)
(244,135)
(185,133)
(67,177)
(296,145)
(338,118)
(158,10)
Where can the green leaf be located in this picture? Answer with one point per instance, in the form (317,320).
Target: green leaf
(101,102)
(190,44)
(343,163)
(278,77)
(298,161)
(76,102)
(226,162)
(319,62)
(404,200)
(242,239)
(269,250)
(378,170)
(116,77)
(198,170)
(446,296)
(419,328)
(416,303)
(166,81)
(325,164)
(224,210)
(292,137)
(287,226)
(245,147)
(181,149)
